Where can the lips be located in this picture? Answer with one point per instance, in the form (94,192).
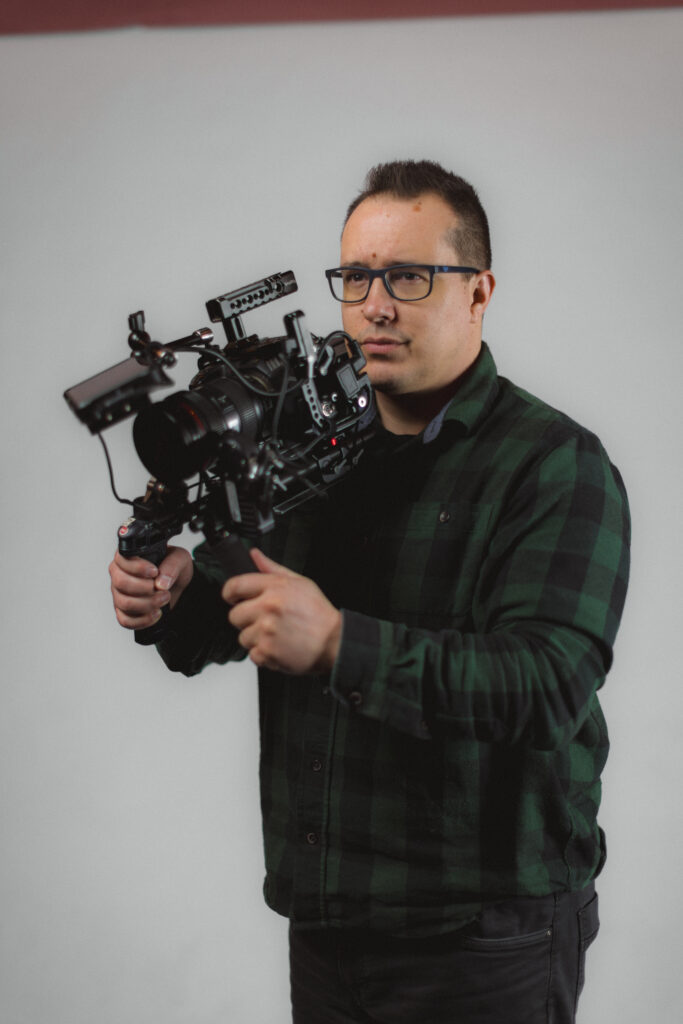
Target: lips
(380,345)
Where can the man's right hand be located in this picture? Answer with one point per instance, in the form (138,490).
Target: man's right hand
(141,589)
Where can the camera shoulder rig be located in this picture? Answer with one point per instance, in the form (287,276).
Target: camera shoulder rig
(264,425)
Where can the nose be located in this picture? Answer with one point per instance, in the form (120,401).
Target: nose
(378,304)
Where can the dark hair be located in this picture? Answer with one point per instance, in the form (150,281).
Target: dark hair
(407,179)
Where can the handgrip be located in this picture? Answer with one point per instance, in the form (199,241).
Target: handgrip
(232,556)
(139,538)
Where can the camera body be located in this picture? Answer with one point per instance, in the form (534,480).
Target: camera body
(264,424)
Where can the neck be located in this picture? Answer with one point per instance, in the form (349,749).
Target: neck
(410,414)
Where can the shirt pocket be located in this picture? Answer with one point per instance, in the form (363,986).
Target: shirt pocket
(428,561)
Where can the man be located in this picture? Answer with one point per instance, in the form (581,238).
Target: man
(430,641)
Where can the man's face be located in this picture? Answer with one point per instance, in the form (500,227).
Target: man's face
(411,347)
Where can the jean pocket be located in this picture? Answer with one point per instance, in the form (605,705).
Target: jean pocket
(589,922)
(589,925)
(506,944)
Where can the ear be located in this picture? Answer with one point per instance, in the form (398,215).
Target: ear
(482,286)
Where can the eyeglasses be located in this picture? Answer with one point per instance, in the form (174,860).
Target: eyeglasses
(406,282)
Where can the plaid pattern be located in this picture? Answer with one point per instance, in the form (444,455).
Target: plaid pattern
(453,758)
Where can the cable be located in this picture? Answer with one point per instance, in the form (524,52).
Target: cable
(280,403)
(241,378)
(124,501)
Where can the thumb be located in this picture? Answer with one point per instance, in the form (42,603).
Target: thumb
(265,564)
(177,565)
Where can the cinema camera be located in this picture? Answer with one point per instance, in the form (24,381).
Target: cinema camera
(265,424)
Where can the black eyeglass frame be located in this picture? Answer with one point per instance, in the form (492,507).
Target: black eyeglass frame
(383,271)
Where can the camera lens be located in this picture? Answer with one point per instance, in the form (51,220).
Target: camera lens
(180,436)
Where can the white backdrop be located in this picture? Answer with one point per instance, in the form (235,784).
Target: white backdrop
(159,168)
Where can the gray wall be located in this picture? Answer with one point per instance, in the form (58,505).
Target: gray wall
(160,168)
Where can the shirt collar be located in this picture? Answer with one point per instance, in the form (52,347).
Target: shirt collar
(476,393)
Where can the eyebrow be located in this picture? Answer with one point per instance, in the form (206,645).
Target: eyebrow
(396,263)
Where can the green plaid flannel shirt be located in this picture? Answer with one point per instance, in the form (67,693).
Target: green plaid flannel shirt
(453,756)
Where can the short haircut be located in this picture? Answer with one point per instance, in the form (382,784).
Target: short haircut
(407,179)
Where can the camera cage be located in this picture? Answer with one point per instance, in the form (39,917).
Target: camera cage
(265,424)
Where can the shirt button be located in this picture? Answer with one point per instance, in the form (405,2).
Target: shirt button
(312,838)
(444,516)
(316,764)
(355,698)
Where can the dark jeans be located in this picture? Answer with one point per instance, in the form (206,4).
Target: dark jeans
(522,962)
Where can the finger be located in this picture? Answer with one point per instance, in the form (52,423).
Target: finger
(124,583)
(135,566)
(247,585)
(137,621)
(265,564)
(260,651)
(248,637)
(259,658)
(174,565)
(136,607)
(242,615)
(244,587)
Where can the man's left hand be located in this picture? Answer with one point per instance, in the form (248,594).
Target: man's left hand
(285,621)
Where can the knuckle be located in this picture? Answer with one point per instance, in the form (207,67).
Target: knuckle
(270,648)
(268,628)
(122,619)
(273,603)
(234,617)
(266,646)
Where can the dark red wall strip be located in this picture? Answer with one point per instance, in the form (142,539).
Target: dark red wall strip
(24,16)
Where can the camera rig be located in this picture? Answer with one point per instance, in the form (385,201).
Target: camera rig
(265,424)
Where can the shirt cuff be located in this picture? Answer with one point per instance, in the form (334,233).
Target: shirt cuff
(198,631)
(361,676)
